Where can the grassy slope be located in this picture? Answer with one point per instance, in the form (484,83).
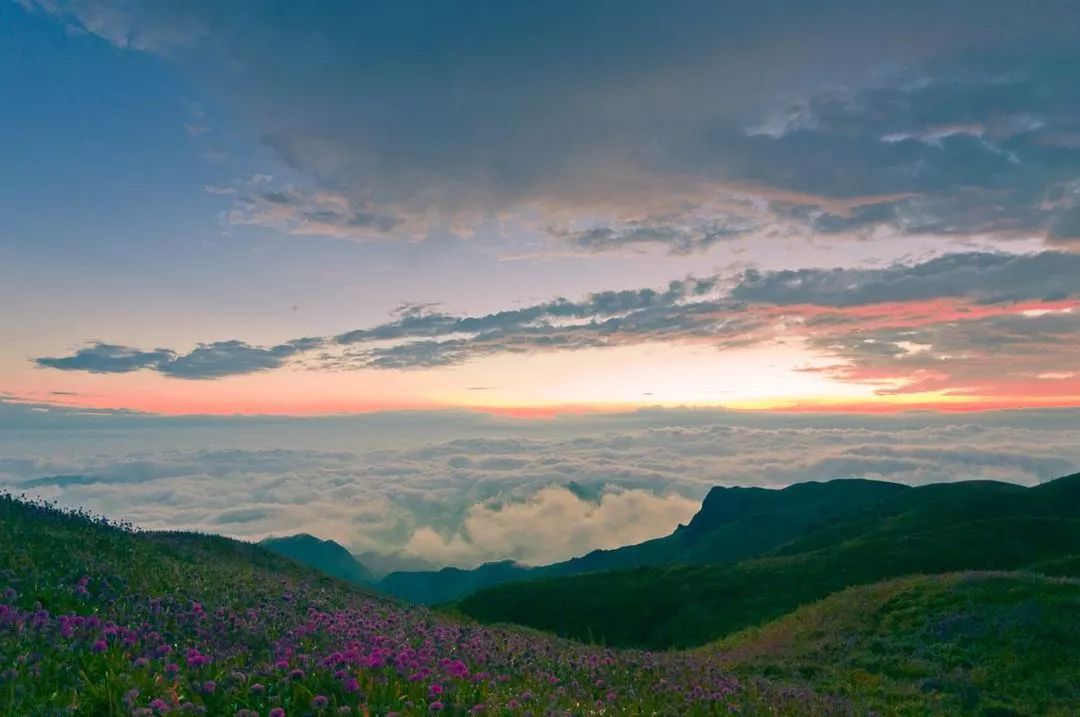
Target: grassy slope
(986,643)
(279,633)
(42,550)
(987,526)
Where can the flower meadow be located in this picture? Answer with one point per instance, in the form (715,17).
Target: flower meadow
(98,618)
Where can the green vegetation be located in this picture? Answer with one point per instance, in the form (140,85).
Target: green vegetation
(733,523)
(970,643)
(934,529)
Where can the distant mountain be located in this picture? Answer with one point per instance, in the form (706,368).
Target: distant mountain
(733,523)
(449,584)
(382,564)
(324,555)
(978,525)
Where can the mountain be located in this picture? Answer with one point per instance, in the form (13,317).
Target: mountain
(382,564)
(939,528)
(733,523)
(325,555)
(430,587)
(962,643)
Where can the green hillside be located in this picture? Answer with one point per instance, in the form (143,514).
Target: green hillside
(963,643)
(940,528)
(100,619)
(733,523)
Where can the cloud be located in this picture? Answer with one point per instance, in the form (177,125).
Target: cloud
(244,515)
(832,309)
(206,361)
(1066,227)
(533,491)
(597,107)
(1026,354)
(978,277)
(101,357)
(295,211)
(553,523)
(229,358)
(678,233)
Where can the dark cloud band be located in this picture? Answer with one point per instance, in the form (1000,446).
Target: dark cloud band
(745,310)
(970,109)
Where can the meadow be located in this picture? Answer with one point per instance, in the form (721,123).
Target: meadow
(101,619)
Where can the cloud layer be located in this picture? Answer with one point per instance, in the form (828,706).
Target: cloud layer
(538,493)
(954,117)
(206,361)
(975,324)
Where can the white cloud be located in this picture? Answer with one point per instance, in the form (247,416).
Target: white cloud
(531,491)
(554,523)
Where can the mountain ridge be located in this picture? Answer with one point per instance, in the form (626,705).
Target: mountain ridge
(733,522)
(931,529)
(328,556)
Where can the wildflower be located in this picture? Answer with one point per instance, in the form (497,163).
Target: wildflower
(277,712)
(209,686)
(319,702)
(99,646)
(435,706)
(258,688)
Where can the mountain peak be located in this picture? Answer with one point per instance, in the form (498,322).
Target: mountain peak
(328,556)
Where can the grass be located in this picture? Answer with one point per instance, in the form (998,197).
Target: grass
(974,643)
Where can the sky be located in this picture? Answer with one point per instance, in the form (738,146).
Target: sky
(457,219)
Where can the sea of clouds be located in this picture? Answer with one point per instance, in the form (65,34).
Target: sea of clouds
(461,488)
